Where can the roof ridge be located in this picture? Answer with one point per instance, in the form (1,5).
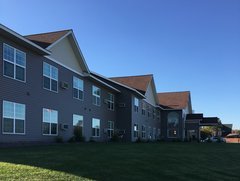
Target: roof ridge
(173,92)
(145,75)
(51,32)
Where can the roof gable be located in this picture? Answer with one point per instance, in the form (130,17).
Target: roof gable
(46,39)
(64,48)
(140,82)
(175,100)
(151,93)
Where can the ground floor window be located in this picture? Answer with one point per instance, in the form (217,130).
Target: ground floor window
(78,125)
(95,127)
(135,130)
(154,133)
(143,131)
(110,130)
(159,133)
(172,133)
(50,122)
(13,118)
(150,132)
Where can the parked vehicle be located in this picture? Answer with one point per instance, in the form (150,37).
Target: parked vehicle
(215,139)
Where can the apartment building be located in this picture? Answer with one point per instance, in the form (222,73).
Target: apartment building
(47,90)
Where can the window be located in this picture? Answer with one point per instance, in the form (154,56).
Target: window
(13,118)
(95,127)
(149,132)
(110,101)
(159,133)
(110,130)
(158,115)
(154,113)
(173,124)
(77,88)
(50,122)
(78,124)
(154,133)
(143,108)
(50,77)
(143,131)
(136,104)
(14,63)
(96,92)
(135,130)
(149,111)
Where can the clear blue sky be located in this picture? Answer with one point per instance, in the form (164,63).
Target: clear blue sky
(187,44)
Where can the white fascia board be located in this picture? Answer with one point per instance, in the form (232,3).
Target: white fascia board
(76,44)
(100,81)
(55,61)
(24,39)
(134,90)
(60,39)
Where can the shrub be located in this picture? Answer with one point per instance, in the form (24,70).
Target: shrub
(115,138)
(78,134)
(59,139)
(138,140)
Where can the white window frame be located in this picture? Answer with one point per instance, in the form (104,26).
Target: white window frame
(50,122)
(110,128)
(136,104)
(82,119)
(143,108)
(14,118)
(96,95)
(135,130)
(143,131)
(15,64)
(111,102)
(50,77)
(95,133)
(78,80)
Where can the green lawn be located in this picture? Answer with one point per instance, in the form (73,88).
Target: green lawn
(112,161)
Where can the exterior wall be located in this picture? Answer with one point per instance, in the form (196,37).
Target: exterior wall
(192,130)
(36,98)
(149,121)
(150,94)
(63,52)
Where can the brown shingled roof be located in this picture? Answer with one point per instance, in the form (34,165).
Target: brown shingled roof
(46,39)
(139,82)
(175,100)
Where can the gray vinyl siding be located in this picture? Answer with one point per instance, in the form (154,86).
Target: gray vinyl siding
(140,119)
(36,98)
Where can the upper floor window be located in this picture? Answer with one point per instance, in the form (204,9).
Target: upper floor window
(50,77)
(110,101)
(149,111)
(136,104)
(154,113)
(96,93)
(77,88)
(158,115)
(50,122)
(13,118)
(143,108)
(14,63)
